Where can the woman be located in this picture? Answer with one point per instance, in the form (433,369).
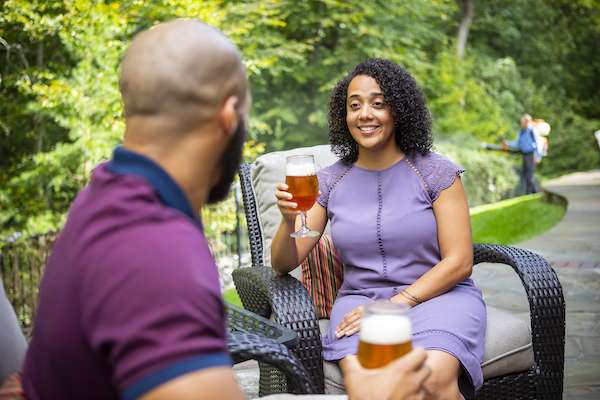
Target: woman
(400,220)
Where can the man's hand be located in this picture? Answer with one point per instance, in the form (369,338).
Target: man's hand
(504,145)
(350,324)
(402,379)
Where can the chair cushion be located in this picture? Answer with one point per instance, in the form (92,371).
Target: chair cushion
(267,171)
(508,349)
(508,346)
(322,274)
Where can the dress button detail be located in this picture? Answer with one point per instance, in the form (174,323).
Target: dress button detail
(379,226)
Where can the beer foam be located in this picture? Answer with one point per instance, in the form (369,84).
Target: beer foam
(385,329)
(299,169)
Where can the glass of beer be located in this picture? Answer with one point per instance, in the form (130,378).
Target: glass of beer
(301,178)
(385,333)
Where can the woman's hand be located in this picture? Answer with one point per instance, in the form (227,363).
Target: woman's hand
(350,324)
(286,207)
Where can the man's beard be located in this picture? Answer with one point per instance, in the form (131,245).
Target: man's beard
(230,162)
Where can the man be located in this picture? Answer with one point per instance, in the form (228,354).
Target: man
(526,144)
(130,304)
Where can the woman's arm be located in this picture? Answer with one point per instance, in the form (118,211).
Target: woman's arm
(456,248)
(286,252)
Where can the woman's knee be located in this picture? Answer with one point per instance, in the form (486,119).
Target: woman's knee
(442,384)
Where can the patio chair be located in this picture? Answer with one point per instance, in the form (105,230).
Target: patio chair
(522,360)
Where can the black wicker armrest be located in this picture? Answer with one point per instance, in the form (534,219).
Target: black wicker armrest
(291,306)
(244,321)
(252,287)
(546,304)
(247,346)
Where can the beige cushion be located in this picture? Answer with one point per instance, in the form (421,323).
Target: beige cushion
(267,171)
(508,346)
(508,349)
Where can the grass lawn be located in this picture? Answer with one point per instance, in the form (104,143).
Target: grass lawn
(506,222)
(514,220)
(232,297)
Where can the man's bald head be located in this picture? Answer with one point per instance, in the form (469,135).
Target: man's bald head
(181,70)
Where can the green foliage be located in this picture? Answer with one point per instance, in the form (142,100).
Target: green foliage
(59,62)
(573,146)
(554,45)
(489,177)
(515,220)
(471,98)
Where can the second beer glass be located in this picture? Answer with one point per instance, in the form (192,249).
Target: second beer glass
(301,178)
(385,333)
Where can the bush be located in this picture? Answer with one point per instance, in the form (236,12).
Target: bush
(489,176)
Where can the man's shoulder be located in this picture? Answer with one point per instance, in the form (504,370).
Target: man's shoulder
(151,254)
(174,239)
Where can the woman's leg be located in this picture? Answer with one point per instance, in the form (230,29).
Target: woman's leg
(442,384)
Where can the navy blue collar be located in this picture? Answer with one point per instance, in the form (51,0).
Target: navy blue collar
(128,162)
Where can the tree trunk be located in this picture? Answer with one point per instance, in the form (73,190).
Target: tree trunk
(466,7)
(39,121)
(39,124)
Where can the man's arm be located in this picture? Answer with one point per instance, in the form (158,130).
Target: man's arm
(207,384)
(160,317)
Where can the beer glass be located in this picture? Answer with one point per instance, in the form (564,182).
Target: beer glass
(385,333)
(301,178)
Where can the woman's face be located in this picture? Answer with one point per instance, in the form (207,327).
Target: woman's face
(368,116)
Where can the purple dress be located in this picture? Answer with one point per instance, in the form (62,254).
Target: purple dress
(383,226)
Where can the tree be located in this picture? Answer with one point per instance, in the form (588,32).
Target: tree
(466,8)
(59,58)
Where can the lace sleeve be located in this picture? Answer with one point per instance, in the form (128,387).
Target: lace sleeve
(328,178)
(438,173)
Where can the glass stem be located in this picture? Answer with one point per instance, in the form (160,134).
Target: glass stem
(303,220)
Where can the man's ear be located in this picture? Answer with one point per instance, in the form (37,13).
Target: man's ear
(228,116)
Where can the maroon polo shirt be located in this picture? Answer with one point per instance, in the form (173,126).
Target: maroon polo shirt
(130,296)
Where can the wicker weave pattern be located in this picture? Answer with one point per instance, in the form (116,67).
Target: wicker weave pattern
(248,346)
(257,338)
(547,309)
(289,302)
(291,307)
(254,231)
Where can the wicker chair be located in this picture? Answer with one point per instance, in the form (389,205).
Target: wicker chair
(252,337)
(285,300)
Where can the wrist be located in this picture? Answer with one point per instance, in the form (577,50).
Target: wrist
(289,221)
(400,298)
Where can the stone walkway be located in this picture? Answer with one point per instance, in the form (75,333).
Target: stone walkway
(573,248)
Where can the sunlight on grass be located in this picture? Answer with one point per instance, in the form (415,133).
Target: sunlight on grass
(231,296)
(514,220)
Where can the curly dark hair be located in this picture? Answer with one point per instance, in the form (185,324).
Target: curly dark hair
(412,120)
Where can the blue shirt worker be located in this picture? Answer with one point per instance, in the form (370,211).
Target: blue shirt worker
(527,145)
